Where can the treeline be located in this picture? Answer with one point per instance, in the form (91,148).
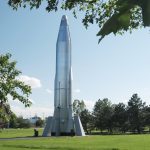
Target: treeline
(20,122)
(115,118)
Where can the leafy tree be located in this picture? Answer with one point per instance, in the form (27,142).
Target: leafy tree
(147,117)
(136,113)
(78,106)
(5,115)
(13,121)
(11,86)
(87,120)
(120,118)
(23,123)
(112,16)
(103,112)
(5,112)
(39,123)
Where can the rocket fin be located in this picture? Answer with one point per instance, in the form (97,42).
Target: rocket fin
(47,129)
(78,126)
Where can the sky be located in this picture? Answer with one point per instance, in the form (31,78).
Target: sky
(115,69)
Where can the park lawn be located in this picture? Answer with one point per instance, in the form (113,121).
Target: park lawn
(109,142)
(10,133)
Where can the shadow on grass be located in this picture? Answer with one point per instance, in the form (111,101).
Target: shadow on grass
(53,147)
(118,133)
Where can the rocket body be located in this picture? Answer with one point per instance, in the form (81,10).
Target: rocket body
(63,76)
(63,81)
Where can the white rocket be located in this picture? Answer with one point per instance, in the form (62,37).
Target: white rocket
(63,122)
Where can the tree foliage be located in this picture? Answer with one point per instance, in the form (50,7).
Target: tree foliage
(147,117)
(136,113)
(120,117)
(39,123)
(78,106)
(87,120)
(134,117)
(103,112)
(11,86)
(112,16)
(5,112)
(22,123)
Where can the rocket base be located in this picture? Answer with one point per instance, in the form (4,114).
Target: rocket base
(50,130)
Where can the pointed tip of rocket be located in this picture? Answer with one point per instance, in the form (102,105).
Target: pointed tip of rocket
(64,20)
(64,17)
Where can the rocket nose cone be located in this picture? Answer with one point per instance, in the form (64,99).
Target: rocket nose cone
(64,21)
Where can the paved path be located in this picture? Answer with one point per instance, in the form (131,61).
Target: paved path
(20,138)
(32,137)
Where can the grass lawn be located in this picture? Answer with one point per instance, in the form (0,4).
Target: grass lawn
(113,142)
(9,133)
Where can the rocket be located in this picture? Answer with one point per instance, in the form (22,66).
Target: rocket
(63,79)
(63,122)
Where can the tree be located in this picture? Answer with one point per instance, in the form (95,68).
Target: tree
(13,121)
(136,113)
(11,86)
(112,16)
(120,118)
(39,122)
(7,117)
(87,120)
(23,123)
(103,112)
(78,106)
(147,117)
(5,112)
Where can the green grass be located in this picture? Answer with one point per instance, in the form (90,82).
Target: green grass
(114,142)
(9,133)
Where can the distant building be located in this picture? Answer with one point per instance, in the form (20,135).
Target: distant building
(33,120)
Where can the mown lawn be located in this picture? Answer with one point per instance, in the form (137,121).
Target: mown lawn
(9,133)
(113,142)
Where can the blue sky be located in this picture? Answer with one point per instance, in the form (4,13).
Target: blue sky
(116,68)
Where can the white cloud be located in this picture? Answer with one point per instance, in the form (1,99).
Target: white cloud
(31,81)
(77,91)
(49,91)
